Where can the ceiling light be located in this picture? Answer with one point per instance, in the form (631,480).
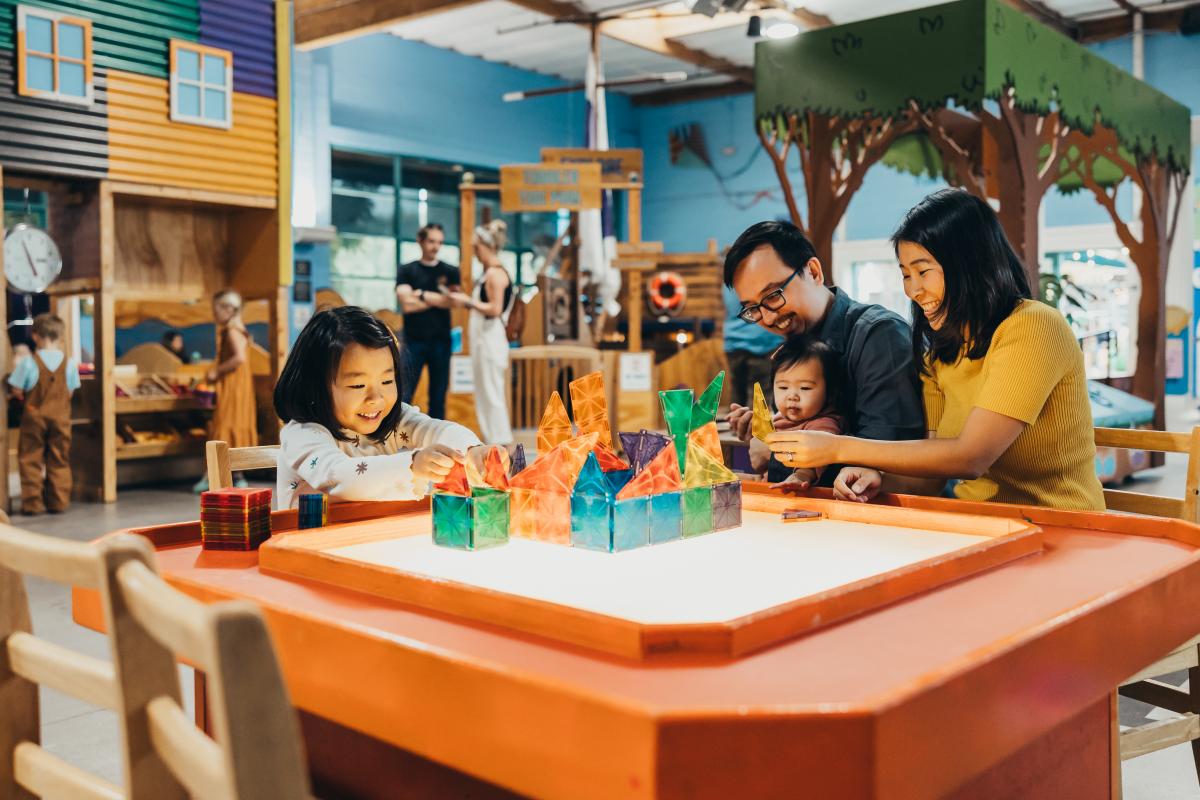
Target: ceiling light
(754,28)
(782,30)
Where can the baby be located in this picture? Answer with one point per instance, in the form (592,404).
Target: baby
(805,376)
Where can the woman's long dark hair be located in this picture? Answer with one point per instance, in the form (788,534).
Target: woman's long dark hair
(302,393)
(985,279)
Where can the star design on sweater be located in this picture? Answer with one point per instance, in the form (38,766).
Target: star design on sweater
(404,437)
(295,485)
(313,463)
(361,468)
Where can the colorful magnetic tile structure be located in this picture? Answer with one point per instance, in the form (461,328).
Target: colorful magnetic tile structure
(666,517)
(609,460)
(313,511)
(557,469)
(495,474)
(554,427)
(705,409)
(697,510)
(455,482)
(761,424)
(599,523)
(235,519)
(471,523)
(660,475)
(708,439)
(727,505)
(590,405)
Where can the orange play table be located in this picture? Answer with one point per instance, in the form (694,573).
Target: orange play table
(998,684)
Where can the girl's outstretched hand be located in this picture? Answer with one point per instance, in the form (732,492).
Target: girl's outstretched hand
(434,462)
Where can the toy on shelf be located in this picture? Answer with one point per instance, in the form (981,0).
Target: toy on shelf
(235,519)
(579,492)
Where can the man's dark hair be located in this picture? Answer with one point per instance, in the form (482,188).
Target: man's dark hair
(799,349)
(423,232)
(788,241)
(303,391)
(984,277)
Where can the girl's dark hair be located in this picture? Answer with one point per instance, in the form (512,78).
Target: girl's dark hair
(302,393)
(802,348)
(984,278)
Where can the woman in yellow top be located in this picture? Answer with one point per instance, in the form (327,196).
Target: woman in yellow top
(1003,379)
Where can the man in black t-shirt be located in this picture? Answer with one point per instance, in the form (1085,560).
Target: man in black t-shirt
(427,290)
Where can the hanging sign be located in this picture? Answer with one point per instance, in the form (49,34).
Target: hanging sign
(549,187)
(616,166)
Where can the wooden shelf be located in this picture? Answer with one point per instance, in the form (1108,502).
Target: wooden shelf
(128,452)
(149,405)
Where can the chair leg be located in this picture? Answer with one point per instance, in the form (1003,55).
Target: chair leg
(1194,695)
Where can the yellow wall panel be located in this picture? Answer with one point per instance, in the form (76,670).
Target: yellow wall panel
(145,146)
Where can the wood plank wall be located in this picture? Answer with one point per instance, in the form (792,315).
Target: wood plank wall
(128,35)
(247,29)
(145,146)
(49,137)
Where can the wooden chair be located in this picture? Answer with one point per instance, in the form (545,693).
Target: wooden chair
(26,769)
(256,751)
(1142,686)
(224,460)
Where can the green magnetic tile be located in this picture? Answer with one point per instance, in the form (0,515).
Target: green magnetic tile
(490,518)
(452,521)
(666,521)
(705,409)
(681,445)
(677,410)
(697,511)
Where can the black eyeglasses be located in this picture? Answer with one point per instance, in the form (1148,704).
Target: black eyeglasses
(772,301)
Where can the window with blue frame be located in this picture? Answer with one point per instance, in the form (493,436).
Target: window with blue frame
(54,55)
(201,84)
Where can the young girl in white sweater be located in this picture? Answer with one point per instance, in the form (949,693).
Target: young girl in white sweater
(347,433)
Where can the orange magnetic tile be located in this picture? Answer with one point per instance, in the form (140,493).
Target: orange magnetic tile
(522,513)
(609,460)
(557,470)
(554,427)
(660,475)
(553,518)
(590,405)
(707,438)
(455,482)
(495,473)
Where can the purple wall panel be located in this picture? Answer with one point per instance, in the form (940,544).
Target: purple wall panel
(247,28)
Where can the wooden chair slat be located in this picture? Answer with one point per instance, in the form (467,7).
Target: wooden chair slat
(263,457)
(1137,439)
(1157,735)
(46,663)
(194,758)
(1138,503)
(47,775)
(173,618)
(58,560)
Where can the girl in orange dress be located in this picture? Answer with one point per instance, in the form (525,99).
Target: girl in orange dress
(234,418)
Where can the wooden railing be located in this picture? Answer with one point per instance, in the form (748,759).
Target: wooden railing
(538,371)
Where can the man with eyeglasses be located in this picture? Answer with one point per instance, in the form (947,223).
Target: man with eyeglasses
(774,270)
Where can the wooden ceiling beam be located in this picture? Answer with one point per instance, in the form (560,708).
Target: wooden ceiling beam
(324,22)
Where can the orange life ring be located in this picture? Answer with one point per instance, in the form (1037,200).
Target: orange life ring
(666,293)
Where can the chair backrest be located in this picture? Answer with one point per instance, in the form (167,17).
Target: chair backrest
(256,751)
(1186,508)
(27,661)
(224,460)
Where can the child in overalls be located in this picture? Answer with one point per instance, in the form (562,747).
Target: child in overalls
(46,381)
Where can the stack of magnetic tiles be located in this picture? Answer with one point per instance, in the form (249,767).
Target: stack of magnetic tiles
(313,511)
(579,492)
(235,519)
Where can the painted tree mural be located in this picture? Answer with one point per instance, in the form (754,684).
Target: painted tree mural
(994,102)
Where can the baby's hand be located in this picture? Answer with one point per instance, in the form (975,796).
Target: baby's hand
(798,481)
(434,463)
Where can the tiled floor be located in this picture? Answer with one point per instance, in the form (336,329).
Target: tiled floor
(88,737)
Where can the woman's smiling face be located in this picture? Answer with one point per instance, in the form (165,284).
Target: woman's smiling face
(924,281)
(364,390)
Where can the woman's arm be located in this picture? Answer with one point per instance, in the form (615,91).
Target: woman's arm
(984,438)
(238,342)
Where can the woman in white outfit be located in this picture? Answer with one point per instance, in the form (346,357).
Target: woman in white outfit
(491,302)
